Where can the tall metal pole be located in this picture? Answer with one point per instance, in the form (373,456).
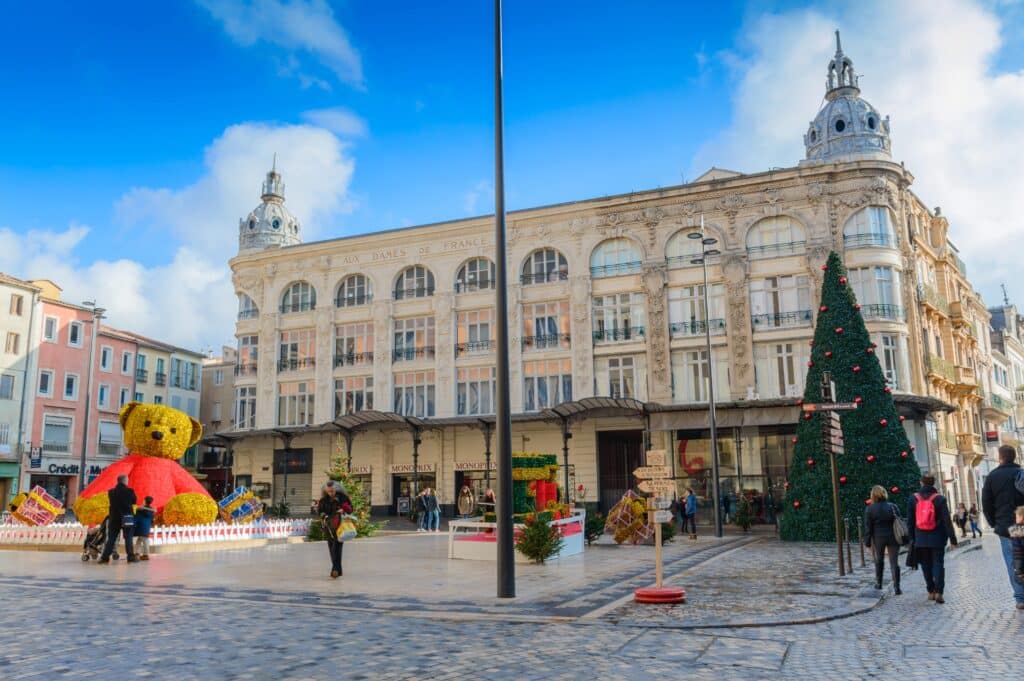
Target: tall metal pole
(97,315)
(565,457)
(715,477)
(502,414)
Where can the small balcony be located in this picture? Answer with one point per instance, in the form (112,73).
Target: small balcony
(675,262)
(616,269)
(947,440)
(296,364)
(530,278)
(627,334)
(930,298)
(971,447)
(57,447)
(869,241)
(245,369)
(883,312)
(141,376)
(997,408)
(483,347)
(485,284)
(417,292)
(412,354)
(353,300)
(775,250)
(782,320)
(696,328)
(175,381)
(966,377)
(957,313)
(353,359)
(289,308)
(108,449)
(159,379)
(550,342)
(940,368)
(248,314)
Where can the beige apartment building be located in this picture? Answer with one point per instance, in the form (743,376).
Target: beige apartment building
(216,414)
(380,347)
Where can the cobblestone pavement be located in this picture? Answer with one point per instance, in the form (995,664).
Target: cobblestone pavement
(59,629)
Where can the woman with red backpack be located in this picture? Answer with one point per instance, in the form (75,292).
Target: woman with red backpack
(931,527)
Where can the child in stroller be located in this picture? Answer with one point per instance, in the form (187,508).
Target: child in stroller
(95,538)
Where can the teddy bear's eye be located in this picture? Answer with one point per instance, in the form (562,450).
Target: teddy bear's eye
(147,424)
(174,430)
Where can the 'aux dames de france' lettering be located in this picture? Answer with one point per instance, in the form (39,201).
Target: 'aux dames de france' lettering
(401,253)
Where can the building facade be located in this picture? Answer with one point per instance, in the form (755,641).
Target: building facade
(604,301)
(19,310)
(217,415)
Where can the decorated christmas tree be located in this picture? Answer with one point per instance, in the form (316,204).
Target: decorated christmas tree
(877,451)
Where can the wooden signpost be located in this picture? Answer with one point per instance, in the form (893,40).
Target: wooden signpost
(655,478)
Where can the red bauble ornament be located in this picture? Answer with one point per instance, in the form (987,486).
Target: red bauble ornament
(800,401)
(883,422)
(796,504)
(807,416)
(823,308)
(902,419)
(858,400)
(824,268)
(810,462)
(810,363)
(856,369)
(913,448)
(793,440)
(786,484)
(839,329)
(888,390)
(811,342)
(894,489)
(871,350)
(857,306)
(903,455)
(828,353)
(867,502)
(871,458)
(842,280)
(842,479)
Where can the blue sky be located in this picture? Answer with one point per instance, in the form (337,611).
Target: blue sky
(136,134)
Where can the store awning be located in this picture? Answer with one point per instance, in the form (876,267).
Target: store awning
(596,407)
(373,419)
(727,415)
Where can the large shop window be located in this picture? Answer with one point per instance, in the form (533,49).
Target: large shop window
(295,403)
(414,394)
(546,383)
(781,368)
(352,394)
(690,375)
(475,390)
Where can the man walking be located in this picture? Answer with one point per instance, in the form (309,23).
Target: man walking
(121,518)
(1001,495)
(930,527)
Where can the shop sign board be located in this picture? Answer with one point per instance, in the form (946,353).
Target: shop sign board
(463,466)
(653,472)
(656,457)
(403,468)
(360,470)
(659,487)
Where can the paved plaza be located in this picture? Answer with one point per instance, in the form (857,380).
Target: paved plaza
(404,611)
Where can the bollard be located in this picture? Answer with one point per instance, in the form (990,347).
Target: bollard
(849,556)
(860,540)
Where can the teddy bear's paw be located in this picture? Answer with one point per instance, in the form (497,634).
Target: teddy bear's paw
(189,508)
(93,510)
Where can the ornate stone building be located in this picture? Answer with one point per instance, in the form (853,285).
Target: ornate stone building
(605,301)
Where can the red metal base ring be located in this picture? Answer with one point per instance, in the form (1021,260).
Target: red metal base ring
(666,594)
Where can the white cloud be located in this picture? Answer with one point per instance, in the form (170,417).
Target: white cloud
(472,201)
(955,122)
(307,26)
(339,120)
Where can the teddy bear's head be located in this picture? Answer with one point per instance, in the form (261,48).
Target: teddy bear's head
(158,430)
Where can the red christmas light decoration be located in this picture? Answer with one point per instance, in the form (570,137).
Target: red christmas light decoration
(902,419)
(824,268)
(913,448)
(903,455)
(786,484)
(857,307)
(870,458)
(842,479)
(870,351)
(810,462)
(811,342)
(839,329)
(883,422)
(810,363)
(796,504)
(856,369)
(823,308)
(807,416)
(800,401)
(793,440)
(867,502)
(828,353)
(874,345)
(858,399)
(894,489)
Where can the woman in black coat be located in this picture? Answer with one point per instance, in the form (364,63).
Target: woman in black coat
(334,503)
(878,534)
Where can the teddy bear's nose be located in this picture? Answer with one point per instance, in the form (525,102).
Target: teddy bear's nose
(157,435)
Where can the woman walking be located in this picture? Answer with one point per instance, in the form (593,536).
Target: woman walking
(960,518)
(972,517)
(878,535)
(333,504)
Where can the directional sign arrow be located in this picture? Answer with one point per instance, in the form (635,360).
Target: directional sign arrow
(653,472)
(661,503)
(662,516)
(657,486)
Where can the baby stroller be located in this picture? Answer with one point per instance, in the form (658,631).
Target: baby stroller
(95,538)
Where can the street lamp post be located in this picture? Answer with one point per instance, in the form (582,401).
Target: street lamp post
(706,242)
(97,315)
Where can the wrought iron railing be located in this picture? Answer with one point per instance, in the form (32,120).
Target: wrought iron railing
(410,354)
(296,364)
(929,296)
(779,320)
(353,359)
(775,250)
(141,375)
(528,278)
(1000,403)
(623,335)
(883,311)
(868,240)
(679,261)
(696,328)
(473,347)
(616,269)
(941,367)
(57,446)
(415,292)
(245,369)
(558,340)
(160,379)
(353,300)
(288,308)
(471,286)
(248,314)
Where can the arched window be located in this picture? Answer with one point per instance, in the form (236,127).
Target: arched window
(247,308)
(681,250)
(870,226)
(299,297)
(475,275)
(544,264)
(774,237)
(354,290)
(614,257)
(415,282)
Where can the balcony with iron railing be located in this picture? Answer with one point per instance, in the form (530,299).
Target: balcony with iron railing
(108,449)
(1018,395)
(869,241)
(530,278)
(782,320)
(482,347)
(550,342)
(969,443)
(160,379)
(680,261)
(296,364)
(248,314)
(413,293)
(412,354)
(141,376)
(941,368)
(56,446)
(245,369)
(623,335)
(775,250)
(349,359)
(928,296)
(289,308)
(998,405)
(958,313)
(353,300)
(615,269)
(947,440)
(696,328)
(883,312)
(484,284)
(965,376)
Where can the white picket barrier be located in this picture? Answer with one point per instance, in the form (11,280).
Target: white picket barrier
(68,534)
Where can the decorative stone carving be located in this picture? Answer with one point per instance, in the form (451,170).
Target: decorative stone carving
(816,192)
(734,271)
(772,195)
(512,235)
(654,282)
(542,232)
(579,314)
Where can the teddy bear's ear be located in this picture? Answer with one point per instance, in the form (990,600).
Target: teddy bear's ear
(126,411)
(197,431)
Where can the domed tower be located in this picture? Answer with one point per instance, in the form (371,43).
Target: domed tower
(270,223)
(847,128)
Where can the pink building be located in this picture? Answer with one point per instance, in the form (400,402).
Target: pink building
(62,384)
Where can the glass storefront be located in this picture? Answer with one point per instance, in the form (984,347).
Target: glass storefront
(753,462)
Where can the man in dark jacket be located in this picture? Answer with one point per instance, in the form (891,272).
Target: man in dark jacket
(999,498)
(930,544)
(122,502)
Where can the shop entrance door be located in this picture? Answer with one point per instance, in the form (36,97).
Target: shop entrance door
(619,453)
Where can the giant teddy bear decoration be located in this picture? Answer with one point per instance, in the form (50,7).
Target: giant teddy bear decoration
(157,436)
